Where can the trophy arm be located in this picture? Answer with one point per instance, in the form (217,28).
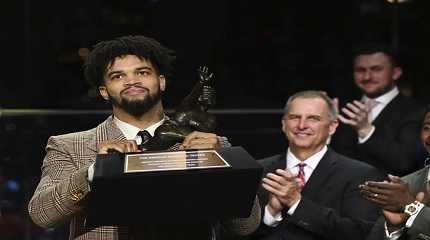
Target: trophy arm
(199,89)
(193,96)
(165,136)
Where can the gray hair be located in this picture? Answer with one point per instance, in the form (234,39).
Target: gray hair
(315,94)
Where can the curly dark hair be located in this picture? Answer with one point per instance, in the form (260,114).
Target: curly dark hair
(105,52)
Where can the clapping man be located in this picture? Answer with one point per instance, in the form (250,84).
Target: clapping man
(310,191)
(404,200)
(382,127)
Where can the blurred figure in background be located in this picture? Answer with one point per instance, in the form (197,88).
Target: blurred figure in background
(382,128)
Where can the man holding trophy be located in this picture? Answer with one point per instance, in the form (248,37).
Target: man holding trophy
(130,73)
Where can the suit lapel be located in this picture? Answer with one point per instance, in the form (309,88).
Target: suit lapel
(319,176)
(388,111)
(106,131)
(418,182)
(280,163)
(422,178)
(421,182)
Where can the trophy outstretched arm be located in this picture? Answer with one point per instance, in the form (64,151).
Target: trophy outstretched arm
(200,89)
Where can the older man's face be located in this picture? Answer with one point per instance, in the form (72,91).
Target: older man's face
(307,124)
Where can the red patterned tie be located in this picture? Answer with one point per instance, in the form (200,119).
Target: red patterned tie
(301,174)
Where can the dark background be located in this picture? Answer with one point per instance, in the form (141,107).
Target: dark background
(260,51)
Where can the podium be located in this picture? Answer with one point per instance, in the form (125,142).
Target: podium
(188,194)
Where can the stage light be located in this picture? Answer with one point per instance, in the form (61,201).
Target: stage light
(398,1)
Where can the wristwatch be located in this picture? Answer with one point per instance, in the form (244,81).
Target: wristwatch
(412,208)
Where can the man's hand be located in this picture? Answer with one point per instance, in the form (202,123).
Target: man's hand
(355,114)
(274,205)
(200,140)
(392,196)
(122,146)
(283,185)
(394,220)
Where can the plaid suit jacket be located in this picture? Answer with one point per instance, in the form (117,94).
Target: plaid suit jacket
(60,196)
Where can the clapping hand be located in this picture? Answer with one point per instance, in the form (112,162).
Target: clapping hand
(284,189)
(391,195)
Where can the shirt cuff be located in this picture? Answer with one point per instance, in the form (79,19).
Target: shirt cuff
(411,219)
(270,220)
(90,173)
(293,208)
(393,235)
(364,139)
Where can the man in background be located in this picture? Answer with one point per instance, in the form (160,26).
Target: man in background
(382,128)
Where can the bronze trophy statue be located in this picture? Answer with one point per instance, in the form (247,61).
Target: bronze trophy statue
(191,115)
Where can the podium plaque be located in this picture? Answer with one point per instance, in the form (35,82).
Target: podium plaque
(173,160)
(173,186)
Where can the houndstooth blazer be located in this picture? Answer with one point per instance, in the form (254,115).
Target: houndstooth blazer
(60,196)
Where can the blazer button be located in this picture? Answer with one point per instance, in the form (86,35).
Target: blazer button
(77,195)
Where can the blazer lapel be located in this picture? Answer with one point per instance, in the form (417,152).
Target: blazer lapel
(106,131)
(388,111)
(280,163)
(420,184)
(319,176)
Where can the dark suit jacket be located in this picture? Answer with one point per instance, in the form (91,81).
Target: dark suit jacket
(417,183)
(331,206)
(394,146)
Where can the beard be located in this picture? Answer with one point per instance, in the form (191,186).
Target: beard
(137,107)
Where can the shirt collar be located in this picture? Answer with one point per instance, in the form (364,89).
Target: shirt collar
(130,131)
(386,97)
(311,162)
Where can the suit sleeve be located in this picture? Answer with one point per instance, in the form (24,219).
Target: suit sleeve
(378,230)
(62,188)
(353,221)
(394,147)
(244,226)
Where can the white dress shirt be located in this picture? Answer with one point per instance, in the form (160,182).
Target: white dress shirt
(292,166)
(380,103)
(130,133)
